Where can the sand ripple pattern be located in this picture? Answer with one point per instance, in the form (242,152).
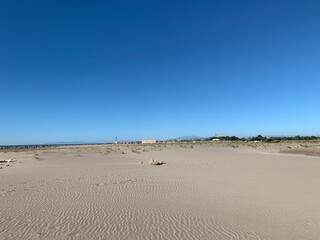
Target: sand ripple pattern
(83,208)
(118,198)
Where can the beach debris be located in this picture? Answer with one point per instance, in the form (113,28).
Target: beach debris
(155,162)
(141,162)
(6,160)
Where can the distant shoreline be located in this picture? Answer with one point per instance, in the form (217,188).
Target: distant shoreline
(36,146)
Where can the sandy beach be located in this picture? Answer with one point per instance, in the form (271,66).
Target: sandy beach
(208,191)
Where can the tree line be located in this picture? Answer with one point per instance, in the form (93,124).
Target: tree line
(261,138)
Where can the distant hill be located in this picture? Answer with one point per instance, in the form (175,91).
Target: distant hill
(188,138)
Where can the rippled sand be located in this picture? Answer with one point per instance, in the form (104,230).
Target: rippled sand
(200,193)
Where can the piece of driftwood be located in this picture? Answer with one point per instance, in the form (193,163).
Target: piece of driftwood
(154,162)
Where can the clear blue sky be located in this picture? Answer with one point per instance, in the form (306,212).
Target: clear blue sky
(92,70)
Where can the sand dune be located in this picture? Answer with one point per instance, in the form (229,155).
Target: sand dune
(200,193)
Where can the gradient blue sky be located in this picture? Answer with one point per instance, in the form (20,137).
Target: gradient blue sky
(92,70)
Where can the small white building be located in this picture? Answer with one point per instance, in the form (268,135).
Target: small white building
(215,140)
(149,141)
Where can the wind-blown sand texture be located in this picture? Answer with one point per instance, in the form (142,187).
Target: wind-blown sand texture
(201,192)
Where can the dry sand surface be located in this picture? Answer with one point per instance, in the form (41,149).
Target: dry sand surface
(201,192)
